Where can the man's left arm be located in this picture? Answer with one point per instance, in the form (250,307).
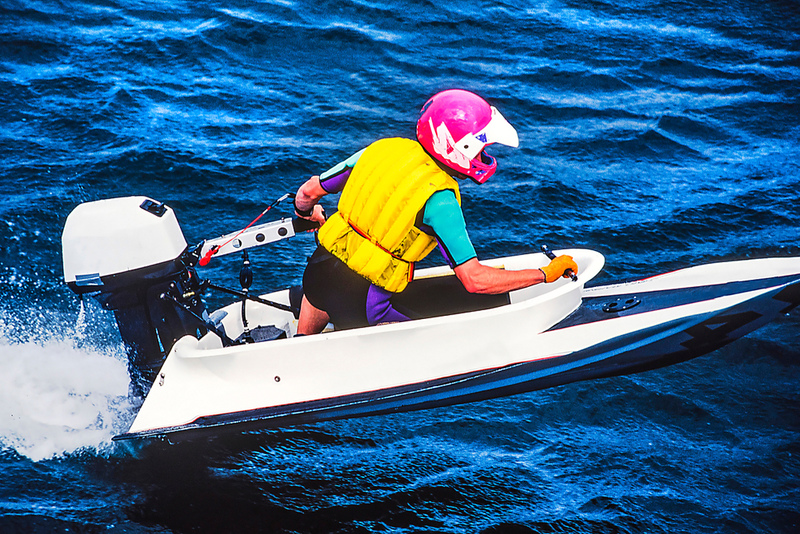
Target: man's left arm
(329,182)
(306,200)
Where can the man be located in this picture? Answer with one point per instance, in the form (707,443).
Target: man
(398,201)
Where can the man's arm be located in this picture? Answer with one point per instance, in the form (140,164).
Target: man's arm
(478,278)
(331,181)
(443,214)
(305,201)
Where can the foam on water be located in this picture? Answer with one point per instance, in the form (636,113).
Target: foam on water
(58,396)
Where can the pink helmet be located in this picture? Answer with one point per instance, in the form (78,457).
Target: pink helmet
(455,126)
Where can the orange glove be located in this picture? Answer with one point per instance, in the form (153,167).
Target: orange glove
(558,267)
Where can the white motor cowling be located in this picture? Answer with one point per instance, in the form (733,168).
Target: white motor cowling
(130,253)
(118,235)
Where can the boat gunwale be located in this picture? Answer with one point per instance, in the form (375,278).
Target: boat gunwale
(594,259)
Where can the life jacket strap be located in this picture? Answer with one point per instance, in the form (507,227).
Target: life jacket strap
(374,241)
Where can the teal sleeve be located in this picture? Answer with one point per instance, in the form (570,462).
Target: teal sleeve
(443,214)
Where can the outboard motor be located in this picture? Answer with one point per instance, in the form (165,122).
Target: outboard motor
(131,255)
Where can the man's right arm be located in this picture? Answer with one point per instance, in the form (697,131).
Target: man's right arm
(444,215)
(479,278)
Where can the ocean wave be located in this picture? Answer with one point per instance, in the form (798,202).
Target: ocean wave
(645,27)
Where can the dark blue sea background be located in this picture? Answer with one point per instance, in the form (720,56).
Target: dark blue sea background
(662,134)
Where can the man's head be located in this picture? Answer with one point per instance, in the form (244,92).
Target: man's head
(455,127)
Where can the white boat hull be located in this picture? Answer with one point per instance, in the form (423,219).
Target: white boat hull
(547,335)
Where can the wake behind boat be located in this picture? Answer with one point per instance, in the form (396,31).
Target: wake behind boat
(243,368)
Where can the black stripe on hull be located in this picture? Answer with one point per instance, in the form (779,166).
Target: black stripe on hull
(591,309)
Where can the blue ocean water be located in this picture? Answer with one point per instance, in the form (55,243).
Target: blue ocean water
(662,134)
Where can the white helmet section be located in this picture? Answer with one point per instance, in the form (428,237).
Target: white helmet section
(113,236)
(499,130)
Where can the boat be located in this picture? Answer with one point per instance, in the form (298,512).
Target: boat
(243,368)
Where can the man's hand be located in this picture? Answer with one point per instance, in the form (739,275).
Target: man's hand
(318,215)
(558,267)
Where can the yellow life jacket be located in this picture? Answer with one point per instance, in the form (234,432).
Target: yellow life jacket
(373,230)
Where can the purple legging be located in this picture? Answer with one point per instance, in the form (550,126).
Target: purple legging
(379,309)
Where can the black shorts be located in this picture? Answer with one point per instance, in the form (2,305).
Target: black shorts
(352,301)
(332,286)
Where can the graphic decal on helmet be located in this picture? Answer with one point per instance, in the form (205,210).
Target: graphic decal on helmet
(444,145)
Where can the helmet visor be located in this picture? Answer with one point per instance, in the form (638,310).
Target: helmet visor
(499,130)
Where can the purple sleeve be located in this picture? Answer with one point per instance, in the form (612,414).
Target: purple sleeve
(334,179)
(335,182)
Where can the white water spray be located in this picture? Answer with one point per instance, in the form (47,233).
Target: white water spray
(58,397)
(80,322)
